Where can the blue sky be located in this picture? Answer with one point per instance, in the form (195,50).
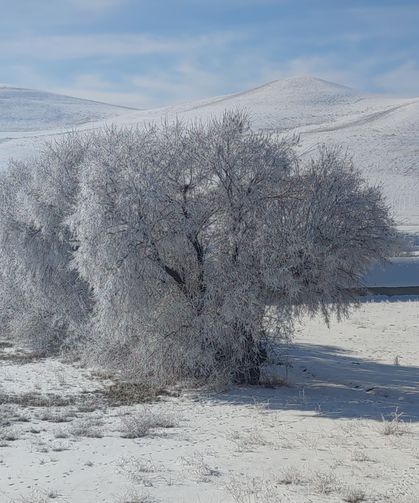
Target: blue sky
(147,53)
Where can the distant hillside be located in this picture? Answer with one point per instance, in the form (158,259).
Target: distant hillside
(23,110)
(381,132)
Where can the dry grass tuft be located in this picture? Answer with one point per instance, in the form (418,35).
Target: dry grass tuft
(19,358)
(353,495)
(395,425)
(38,496)
(141,423)
(87,427)
(129,393)
(199,469)
(253,490)
(36,400)
(8,435)
(324,482)
(247,441)
(139,471)
(292,476)
(136,497)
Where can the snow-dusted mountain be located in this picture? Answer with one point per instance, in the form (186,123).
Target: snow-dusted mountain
(381,132)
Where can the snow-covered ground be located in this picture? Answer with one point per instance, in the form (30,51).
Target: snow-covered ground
(345,427)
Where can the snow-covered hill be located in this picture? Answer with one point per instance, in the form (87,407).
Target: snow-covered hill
(28,117)
(381,132)
(26,110)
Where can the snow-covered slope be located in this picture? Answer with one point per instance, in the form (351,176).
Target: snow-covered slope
(26,110)
(381,132)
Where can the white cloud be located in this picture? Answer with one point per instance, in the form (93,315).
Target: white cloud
(66,47)
(93,87)
(96,5)
(402,80)
(186,82)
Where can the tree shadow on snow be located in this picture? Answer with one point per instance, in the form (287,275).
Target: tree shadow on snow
(335,384)
(386,298)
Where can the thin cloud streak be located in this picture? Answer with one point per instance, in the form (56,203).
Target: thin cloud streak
(69,47)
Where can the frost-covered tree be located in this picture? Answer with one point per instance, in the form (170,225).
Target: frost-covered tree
(44,301)
(186,232)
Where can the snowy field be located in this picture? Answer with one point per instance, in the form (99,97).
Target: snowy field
(339,422)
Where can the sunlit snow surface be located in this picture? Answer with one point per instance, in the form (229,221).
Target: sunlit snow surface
(316,439)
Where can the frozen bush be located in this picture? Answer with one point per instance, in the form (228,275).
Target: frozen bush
(160,248)
(44,301)
(187,232)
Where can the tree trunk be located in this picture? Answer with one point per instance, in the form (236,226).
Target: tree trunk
(248,371)
(245,370)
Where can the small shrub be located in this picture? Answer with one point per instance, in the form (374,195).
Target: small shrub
(360,456)
(60,447)
(36,400)
(395,425)
(247,441)
(199,469)
(324,483)
(139,424)
(292,476)
(138,471)
(61,434)
(87,427)
(136,497)
(36,497)
(255,490)
(53,494)
(9,435)
(354,495)
(130,393)
(53,416)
